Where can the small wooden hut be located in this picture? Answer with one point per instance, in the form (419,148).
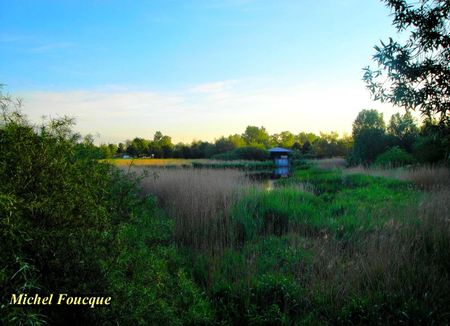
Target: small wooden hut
(280,156)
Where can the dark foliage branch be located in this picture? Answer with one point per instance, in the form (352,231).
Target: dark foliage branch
(415,74)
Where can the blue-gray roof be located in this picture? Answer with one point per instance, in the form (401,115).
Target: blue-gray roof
(279,150)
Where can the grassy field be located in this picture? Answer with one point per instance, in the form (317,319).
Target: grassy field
(325,246)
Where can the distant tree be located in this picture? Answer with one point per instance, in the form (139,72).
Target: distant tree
(160,147)
(166,146)
(224,145)
(244,153)
(345,144)
(297,146)
(108,151)
(307,147)
(181,150)
(257,137)
(121,148)
(304,137)
(158,136)
(428,149)
(284,139)
(415,73)
(326,145)
(86,149)
(368,119)
(369,137)
(138,147)
(403,129)
(236,140)
(202,149)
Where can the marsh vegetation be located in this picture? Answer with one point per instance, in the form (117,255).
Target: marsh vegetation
(324,246)
(202,243)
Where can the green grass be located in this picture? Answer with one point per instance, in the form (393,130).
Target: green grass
(341,205)
(345,249)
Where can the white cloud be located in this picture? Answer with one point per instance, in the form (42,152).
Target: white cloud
(205,111)
(214,87)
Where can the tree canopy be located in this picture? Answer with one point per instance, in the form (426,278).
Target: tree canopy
(369,136)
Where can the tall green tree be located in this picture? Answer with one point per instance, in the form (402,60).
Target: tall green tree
(161,146)
(284,139)
(236,140)
(258,137)
(304,137)
(224,145)
(403,129)
(369,135)
(138,147)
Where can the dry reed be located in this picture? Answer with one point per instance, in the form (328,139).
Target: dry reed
(200,201)
(330,163)
(411,260)
(425,177)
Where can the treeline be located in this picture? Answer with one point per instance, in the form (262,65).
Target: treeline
(252,144)
(402,141)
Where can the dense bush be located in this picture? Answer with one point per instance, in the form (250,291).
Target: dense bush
(429,149)
(244,153)
(394,157)
(69,224)
(368,144)
(57,215)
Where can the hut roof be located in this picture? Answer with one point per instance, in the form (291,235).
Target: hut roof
(279,150)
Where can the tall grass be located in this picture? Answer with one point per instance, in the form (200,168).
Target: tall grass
(330,163)
(401,271)
(425,177)
(197,163)
(200,202)
(321,247)
(121,162)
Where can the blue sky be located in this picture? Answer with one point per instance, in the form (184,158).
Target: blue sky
(192,69)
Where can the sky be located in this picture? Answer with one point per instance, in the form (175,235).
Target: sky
(192,69)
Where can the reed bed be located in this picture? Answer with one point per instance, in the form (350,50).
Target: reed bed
(400,269)
(330,163)
(199,200)
(126,162)
(425,177)
(410,260)
(179,162)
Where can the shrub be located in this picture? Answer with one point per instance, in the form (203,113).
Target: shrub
(56,213)
(267,299)
(70,224)
(244,153)
(394,157)
(429,149)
